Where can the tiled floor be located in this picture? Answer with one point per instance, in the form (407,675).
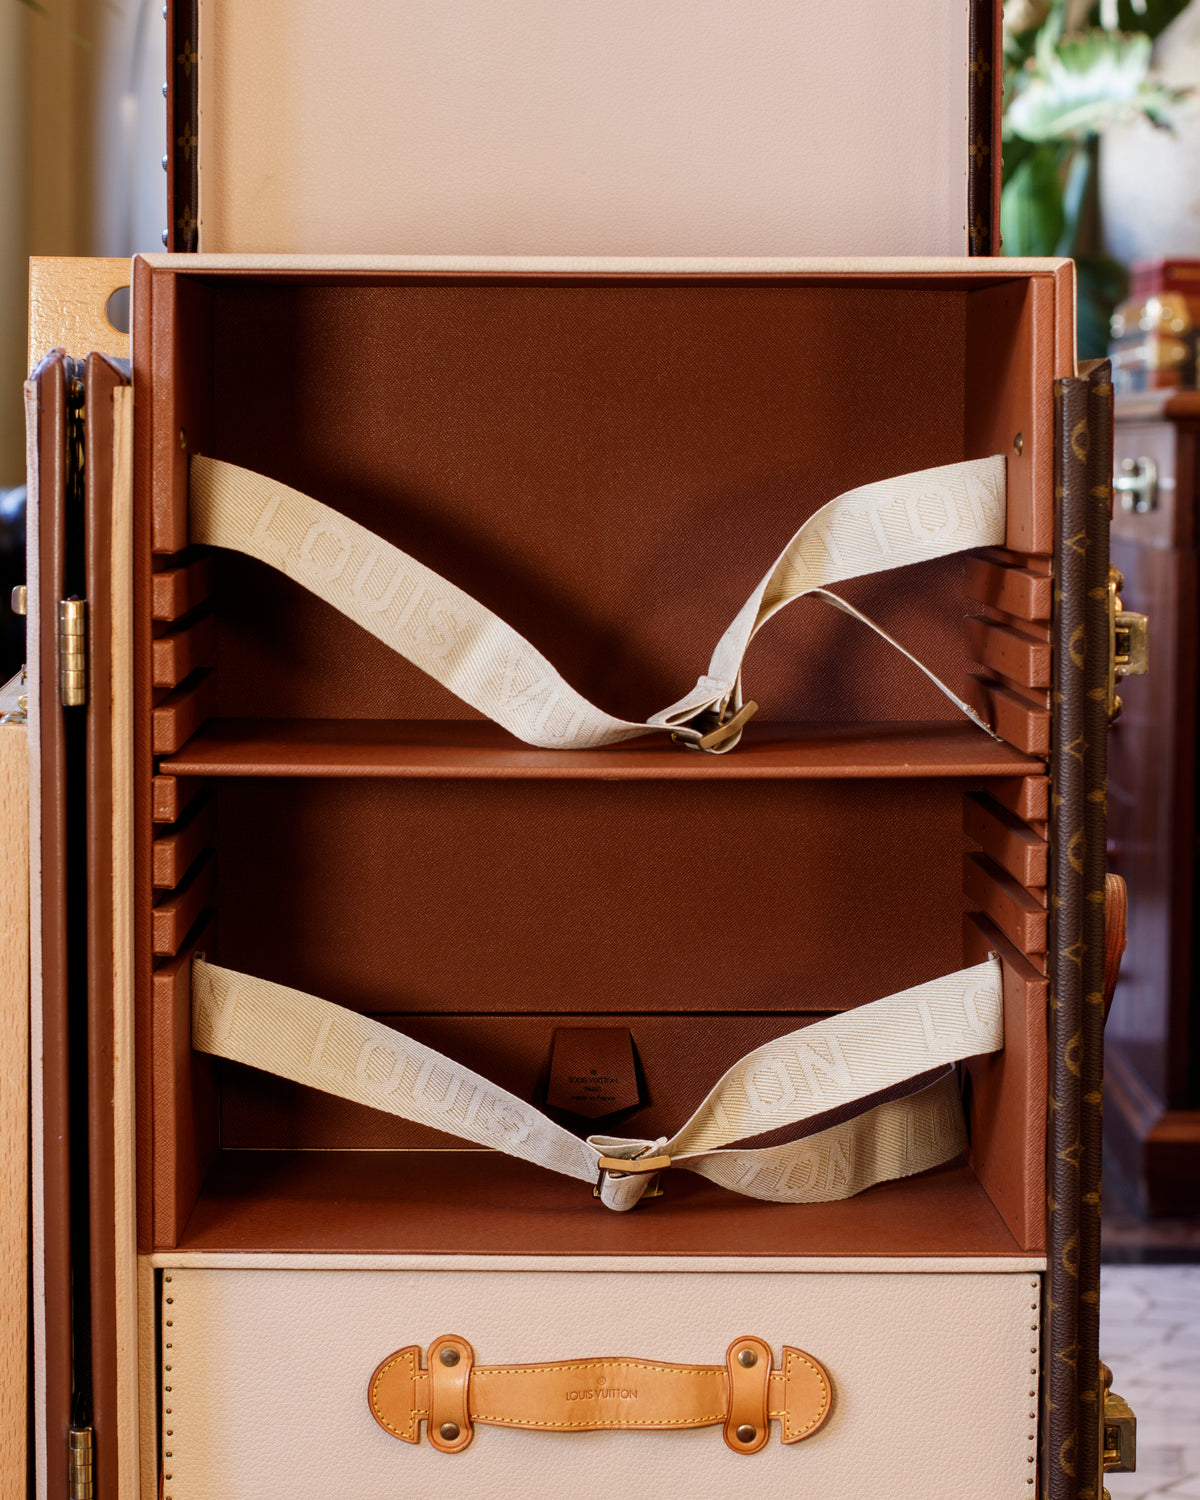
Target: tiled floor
(1150,1337)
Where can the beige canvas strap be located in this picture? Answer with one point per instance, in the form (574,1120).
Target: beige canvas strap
(472,652)
(833,1064)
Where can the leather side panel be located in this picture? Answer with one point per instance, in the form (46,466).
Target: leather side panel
(101,380)
(47,412)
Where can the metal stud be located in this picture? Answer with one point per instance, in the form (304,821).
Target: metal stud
(448,1432)
(747,1359)
(746,1433)
(449,1356)
(1018,444)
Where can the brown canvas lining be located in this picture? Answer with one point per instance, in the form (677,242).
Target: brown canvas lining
(441,394)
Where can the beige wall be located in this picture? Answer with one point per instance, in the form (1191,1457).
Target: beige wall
(82,133)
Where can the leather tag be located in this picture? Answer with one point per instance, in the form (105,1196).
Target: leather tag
(592,1071)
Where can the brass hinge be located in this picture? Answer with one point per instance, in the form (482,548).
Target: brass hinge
(1128,643)
(1118,1429)
(72,651)
(79,1463)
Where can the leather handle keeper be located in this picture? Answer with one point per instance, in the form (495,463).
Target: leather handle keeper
(743,1395)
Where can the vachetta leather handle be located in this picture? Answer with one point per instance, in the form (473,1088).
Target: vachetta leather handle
(1116,911)
(744,1395)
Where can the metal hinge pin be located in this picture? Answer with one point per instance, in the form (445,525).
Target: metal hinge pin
(72,651)
(80,1466)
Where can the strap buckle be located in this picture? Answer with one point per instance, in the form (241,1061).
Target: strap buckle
(632,1166)
(715,741)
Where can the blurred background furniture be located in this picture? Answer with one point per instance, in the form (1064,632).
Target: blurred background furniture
(1152,1054)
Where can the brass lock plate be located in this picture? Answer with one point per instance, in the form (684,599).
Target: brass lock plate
(1128,642)
(1118,1429)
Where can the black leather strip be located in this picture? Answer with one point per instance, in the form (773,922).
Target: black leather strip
(983,235)
(183,118)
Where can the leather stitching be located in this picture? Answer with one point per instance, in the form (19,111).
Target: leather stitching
(599,1422)
(817,1371)
(602,1364)
(415,1415)
(700,1421)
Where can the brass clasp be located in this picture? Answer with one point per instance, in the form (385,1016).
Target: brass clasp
(1128,642)
(1118,1429)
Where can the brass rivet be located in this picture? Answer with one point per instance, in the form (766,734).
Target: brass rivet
(449,1356)
(448,1431)
(1018,443)
(747,1358)
(746,1433)
(183,439)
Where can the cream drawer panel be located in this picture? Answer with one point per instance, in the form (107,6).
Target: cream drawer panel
(265,1377)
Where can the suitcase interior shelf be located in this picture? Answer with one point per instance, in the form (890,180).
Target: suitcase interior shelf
(611,464)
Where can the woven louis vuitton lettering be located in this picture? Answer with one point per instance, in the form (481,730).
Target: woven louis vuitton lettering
(469,650)
(837,1062)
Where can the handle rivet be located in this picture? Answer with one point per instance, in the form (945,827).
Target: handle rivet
(449,1356)
(747,1359)
(1018,444)
(746,1433)
(448,1431)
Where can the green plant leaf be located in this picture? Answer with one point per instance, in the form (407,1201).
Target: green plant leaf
(1101,283)
(1151,16)
(1031,205)
(1085,83)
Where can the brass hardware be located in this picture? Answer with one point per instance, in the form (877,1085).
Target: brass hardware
(722,730)
(1018,445)
(746,1433)
(448,1432)
(72,651)
(20,600)
(747,1359)
(20,714)
(1118,1428)
(639,1166)
(79,1463)
(449,1356)
(1128,642)
(1137,485)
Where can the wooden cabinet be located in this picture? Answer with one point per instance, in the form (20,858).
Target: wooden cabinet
(1152,1056)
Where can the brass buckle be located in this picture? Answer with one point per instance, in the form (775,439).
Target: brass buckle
(632,1166)
(722,730)
(1128,643)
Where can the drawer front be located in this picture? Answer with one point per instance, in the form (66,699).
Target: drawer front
(265,1377)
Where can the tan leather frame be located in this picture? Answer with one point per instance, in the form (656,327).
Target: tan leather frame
(452,1394)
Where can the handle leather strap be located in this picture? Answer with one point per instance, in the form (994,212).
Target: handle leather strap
(453,1394)
(460,643)
(904,1044)
(1116,913)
